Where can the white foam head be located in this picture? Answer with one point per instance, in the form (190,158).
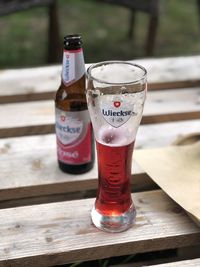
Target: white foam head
(117,73)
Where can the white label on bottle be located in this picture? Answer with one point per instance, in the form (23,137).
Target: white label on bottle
(74,133)
(69,126)
(116,111)
(73,66)
(68,71)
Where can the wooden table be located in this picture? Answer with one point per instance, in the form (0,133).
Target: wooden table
(45,214)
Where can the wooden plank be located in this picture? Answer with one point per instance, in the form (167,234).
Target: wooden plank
(38,174)
(26,118)
(53,234)
(164,106)
(29,84)
(38,117)
(164,134)
(176,101)
(186,263)
(42,82)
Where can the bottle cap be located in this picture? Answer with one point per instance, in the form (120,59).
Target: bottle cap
(73,41)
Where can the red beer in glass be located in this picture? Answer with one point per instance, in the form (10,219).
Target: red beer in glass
(116,93)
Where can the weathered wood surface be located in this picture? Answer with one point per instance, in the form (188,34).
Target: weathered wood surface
(37,117)
(42,82)
(186,263)
(172,105)
(177,72)
(52,234)
(27,118)
(29,166)
(29,84)
(163,134)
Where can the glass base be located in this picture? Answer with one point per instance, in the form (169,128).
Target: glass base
(114,224)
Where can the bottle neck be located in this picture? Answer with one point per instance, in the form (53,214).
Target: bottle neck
(73,67)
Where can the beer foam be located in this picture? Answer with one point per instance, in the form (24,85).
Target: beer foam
(110,136)
(117,73)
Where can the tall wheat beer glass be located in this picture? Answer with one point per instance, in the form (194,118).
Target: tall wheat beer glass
(116,93)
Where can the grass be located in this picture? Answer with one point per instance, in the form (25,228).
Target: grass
(104,29)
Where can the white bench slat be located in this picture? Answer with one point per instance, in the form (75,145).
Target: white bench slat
(172,101)
(38,116)
(31,81)
(39,174)
(52,234)
(42,82)
(57,233)
(172,105)
(164,134)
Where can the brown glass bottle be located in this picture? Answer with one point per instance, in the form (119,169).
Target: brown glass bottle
(75,145)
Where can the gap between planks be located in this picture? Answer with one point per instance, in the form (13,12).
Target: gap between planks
(29,166)
(163,73)
(26,97)
(38,117)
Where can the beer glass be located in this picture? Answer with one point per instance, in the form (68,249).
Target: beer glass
(115,92)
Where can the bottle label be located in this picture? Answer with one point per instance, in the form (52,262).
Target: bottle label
(74,133)
(73,66)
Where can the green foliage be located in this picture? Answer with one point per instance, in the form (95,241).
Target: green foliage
(104,29)
(76,264)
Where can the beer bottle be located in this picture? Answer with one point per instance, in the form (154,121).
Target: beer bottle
(75,146)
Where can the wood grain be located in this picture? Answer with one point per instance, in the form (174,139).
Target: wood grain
(42,82)
(172,101)
(29,165)
(37,117)
(52,234)
(39,174)
(61,232)
(178,103)
(29,84)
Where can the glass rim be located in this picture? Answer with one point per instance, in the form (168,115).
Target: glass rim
(90,76)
